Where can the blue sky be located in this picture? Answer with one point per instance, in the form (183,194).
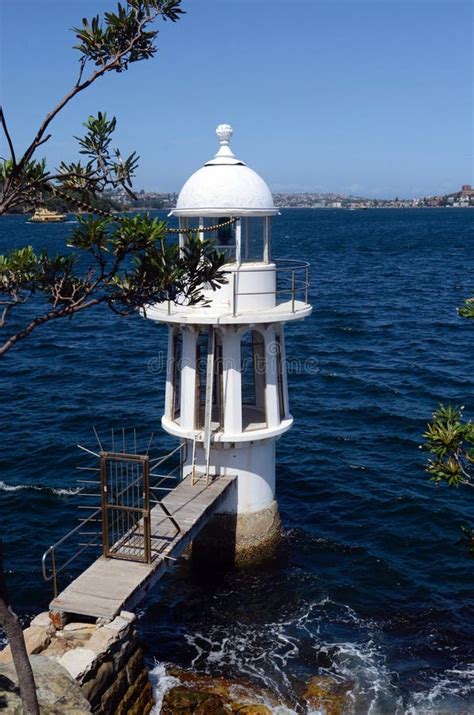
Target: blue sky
(370,97)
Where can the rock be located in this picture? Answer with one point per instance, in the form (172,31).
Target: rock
(94,687)
(328,693)
(58,647)
(102,639)
(78,627)
(183,701)
(237,696)
(36,640)
(5,655)
(110,700)
(42,620)
(77,631)
(58,693)
(78,661)
(103,621)
(128,616)
(119,624)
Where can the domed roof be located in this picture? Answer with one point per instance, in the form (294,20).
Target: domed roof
(225,186)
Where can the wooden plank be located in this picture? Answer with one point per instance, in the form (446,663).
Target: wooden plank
(109,585)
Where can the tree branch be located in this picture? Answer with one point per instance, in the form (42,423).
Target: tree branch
(112,64)
(7,135)
(64,312)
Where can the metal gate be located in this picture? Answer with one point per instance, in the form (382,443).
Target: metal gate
(125,492)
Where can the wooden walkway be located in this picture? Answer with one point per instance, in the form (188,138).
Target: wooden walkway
(110,585)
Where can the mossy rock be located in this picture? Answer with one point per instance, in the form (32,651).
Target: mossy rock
(328,694)
(251,710)
(183,701)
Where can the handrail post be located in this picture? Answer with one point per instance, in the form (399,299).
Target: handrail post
(105,516)
(146,510)
(234,295)
(53,565)
(193,459)
(293,290)
(306,284)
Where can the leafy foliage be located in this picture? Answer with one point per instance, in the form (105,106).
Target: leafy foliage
(467,310)
(450,439)
(106,44)
(131,264)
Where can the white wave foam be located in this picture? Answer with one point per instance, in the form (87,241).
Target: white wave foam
(263,654)
(161,683)
(59,491)
(452,692)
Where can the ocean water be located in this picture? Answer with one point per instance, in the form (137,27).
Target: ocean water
(372,580)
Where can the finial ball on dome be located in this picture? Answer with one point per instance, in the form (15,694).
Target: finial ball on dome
(224,133)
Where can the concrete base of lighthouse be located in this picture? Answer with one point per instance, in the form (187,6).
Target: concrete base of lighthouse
(238,539)
(247,526)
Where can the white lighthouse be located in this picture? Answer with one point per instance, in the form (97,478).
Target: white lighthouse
(226,387)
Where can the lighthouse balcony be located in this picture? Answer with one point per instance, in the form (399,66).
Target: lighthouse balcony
(255,292)
(253,429)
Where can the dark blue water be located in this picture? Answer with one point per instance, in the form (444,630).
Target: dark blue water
(372,579)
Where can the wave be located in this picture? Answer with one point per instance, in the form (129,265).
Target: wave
(266,655)
(451,692)
(161,682)
(58,491)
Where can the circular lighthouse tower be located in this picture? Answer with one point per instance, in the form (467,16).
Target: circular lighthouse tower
(226,388)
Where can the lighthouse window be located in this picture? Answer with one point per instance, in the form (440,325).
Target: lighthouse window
(176,373)
(224,237)
(253,239)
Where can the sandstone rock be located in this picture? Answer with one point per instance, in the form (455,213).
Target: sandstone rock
(79,627)
(183,701)
(58,693)
(237,696)
(135,665)
(78,661)
(128,615)
(119,624)
(36,640)
(103,621)
(102,639)
(77,631)
(42,620)
(328,693)
(58,647)
(94,687)
(114,694)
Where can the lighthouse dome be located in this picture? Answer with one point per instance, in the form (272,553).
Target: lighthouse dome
(225,186)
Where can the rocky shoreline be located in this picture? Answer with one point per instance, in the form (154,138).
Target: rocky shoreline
(190,693)
(84,668)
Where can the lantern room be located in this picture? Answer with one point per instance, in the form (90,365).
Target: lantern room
(228,194)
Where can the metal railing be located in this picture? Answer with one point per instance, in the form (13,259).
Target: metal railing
(291,279)
(291,285)
(92,527)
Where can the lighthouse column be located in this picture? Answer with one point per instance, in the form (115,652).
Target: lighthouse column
(247,525)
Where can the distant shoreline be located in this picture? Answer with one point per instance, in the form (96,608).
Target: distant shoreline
(291,208)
